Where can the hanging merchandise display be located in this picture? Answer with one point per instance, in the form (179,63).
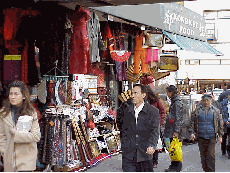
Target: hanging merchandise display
(95,38)
(131,76)
(120,55)
(79,59)
(66,46)
(140,54)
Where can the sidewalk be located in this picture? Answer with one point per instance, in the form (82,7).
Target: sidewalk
(191,161)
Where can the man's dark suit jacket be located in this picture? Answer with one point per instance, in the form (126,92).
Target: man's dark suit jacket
(141,135)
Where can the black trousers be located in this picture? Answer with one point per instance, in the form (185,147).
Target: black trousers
(175,165)
(207,153)
(224,141)
(155,157)
(134,166)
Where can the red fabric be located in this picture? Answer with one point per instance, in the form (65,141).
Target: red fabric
(171,121)
(99,73)
(108,31)
(24,70)
(146,79)
(160,106)
(79,59)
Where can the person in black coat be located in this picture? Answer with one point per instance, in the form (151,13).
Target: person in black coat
(139,123)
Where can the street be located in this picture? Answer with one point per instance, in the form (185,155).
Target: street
(191,161)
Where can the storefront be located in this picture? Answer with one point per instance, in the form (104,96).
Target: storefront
(76,65)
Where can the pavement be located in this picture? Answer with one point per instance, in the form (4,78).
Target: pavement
(191,161)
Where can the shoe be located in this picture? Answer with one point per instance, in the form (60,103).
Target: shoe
(170,170)
(154,165)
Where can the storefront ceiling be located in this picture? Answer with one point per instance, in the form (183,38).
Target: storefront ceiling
(99,3)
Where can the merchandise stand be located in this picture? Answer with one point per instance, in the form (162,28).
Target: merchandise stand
(78,135)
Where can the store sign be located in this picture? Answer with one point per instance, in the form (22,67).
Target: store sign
(12,57)
(182,21)
(170,17)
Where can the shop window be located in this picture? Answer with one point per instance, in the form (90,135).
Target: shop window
(187,62)
(209,62)
(182,62)
(225,62)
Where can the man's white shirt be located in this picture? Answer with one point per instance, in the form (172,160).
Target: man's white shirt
(137,110)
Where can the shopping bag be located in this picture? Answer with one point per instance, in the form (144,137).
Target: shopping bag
(159,144)
(175,150)
(167,143)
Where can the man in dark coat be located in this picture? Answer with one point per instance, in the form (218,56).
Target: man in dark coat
(139,124)
(206,122)
(174,123)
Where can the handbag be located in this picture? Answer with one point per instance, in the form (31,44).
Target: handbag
(175,150)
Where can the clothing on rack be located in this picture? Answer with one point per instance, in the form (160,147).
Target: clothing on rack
(79,59)
(95,38)
(140,54)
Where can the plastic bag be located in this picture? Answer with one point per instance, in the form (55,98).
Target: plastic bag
(167,143)
(159,144)
(175,150)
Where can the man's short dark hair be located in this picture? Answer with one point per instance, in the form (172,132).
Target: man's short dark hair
(143,88)
(172,88)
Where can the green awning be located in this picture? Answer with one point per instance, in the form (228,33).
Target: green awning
(190,44)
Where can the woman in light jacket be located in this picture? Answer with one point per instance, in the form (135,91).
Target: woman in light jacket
(19,148)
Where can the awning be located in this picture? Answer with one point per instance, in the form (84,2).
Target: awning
(190,44)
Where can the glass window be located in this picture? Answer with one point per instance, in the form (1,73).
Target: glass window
(187,62)
(225,61)
(182,62)
(209,62)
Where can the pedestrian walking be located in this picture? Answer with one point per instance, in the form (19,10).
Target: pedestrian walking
(206,122)
(173,123)
(224,94)
(139,124)
(225,111)
(19,148)
(156,102)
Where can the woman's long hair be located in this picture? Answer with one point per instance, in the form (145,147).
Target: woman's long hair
(151,96)
(26,108)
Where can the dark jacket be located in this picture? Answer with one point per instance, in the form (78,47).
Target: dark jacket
(224,112)
(174,121)
(223,96)
(141,135)
(218,121)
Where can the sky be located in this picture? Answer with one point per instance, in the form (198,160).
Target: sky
(199,5)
